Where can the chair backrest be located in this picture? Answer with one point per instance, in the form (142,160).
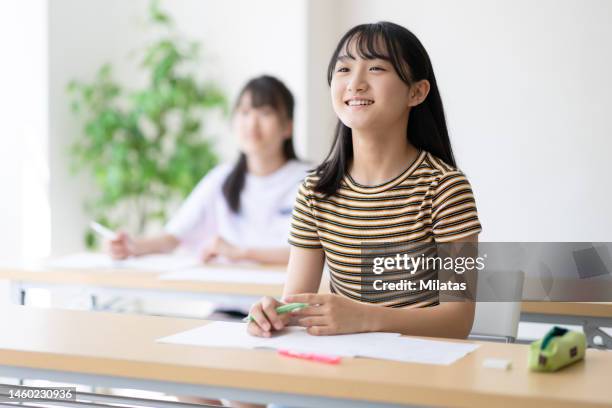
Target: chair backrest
(498,320)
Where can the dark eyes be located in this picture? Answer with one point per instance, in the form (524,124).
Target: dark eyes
(375,68)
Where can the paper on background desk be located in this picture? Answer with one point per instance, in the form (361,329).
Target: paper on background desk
(388,346)
(229,274)
(151,263)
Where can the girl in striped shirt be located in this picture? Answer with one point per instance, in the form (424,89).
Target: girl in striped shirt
(390,178)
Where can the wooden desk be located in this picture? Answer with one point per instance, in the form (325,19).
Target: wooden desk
(599,314)
(120,351)
(125,281)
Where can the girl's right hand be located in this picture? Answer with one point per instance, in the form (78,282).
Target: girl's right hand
(266,319)
(122,246)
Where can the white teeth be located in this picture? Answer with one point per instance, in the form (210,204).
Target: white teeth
(359,102)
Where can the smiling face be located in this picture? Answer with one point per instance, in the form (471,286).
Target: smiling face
(261,130)
(367,93)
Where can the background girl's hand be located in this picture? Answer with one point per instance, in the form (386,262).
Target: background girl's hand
(122,246)
(266,318)
(329,314)
(220,247)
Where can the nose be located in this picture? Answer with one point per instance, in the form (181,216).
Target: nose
(252,121)
(357,82)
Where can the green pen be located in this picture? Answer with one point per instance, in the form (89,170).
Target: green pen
(289,307)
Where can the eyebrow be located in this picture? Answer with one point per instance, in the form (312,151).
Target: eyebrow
(345,57)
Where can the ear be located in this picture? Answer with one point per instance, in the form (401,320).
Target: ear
(418,92)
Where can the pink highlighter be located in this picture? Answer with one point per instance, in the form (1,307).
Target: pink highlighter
(319,358)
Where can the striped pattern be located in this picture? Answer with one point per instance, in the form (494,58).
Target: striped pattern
(430,202)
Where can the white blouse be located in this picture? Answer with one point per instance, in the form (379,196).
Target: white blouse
(264,219)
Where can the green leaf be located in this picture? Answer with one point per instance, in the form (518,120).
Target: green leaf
(91,240)
(157,15)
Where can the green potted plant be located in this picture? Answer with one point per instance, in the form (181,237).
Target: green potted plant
(145,148)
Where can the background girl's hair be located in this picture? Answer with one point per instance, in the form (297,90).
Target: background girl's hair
(269,91)
(426,124)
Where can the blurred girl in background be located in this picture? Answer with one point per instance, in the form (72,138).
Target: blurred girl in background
(239,212)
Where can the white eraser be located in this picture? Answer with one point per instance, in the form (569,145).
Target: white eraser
(499,363)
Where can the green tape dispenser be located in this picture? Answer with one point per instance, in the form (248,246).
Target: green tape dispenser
(558,348)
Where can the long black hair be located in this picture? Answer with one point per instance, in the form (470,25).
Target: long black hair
(426,124)
(269,91)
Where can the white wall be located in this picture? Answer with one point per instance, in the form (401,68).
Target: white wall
(23,130)
(526,87)
(323,32)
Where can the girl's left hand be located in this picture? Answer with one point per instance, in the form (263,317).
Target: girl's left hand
(329,314)
(220,247)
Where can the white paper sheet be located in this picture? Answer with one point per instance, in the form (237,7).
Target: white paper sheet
(413,350)
(216,334)
(230,334)
(388,346)
(91,260)
(227,274)
(346,345)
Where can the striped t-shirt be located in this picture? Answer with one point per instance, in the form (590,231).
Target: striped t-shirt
(430,202)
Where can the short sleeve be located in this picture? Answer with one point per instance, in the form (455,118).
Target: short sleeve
(195,210)
(303,223)
(454,213)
